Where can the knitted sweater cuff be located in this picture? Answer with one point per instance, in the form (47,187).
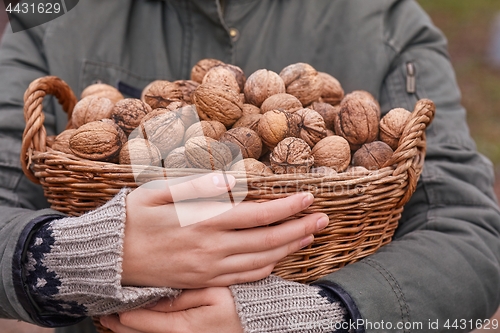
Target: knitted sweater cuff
(85,259)
(274,305)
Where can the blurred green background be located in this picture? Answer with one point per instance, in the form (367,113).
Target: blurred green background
(468,25)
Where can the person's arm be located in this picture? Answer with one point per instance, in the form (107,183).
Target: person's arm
(443,263)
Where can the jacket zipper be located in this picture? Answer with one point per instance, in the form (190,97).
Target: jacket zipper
(411,82)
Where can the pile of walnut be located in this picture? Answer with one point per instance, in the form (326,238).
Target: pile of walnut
(297,121)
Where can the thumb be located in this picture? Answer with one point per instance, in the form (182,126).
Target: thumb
(159,192)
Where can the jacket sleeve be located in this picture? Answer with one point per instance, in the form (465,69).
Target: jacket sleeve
(21,201)
(443,263)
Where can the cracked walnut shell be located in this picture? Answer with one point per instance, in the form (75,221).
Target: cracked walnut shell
(292,155)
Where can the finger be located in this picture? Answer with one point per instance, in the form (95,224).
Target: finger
(156,322)
(285,234)
(159,192)
(188,299)
(113,323)
(243,277)
(254,214)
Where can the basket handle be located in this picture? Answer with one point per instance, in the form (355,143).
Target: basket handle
(412,146)
(35,135)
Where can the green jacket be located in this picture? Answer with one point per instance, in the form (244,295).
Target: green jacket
(444,261)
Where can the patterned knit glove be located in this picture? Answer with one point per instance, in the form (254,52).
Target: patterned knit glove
(274,305)
(74,265)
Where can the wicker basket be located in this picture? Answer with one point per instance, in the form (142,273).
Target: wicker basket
(364,209)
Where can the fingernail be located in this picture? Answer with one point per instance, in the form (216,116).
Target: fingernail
(322,223)
(104,321)
(223,181)
(308,199)
(306,241)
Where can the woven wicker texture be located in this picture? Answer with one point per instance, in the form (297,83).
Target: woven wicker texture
(364,208)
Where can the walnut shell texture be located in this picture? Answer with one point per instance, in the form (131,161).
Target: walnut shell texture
(61,141)
(252,166)
(285,102)
(160,93)
(102,90)
(216,102)
(312,126)
(262,84)
(206,153)
(140,151)
(373,155)
(221,75)
(327,111)
(333,152)
(276,125)
(392,126)
(187,87)
(249,109)
(211,128)
(91,108)
(249,121)
(164,129)
(302,81)
(129,112)
(199,70)
(99,140)
(176,159)
(244,141)
(331,91)
(292,155)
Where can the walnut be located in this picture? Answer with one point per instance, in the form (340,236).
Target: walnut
(249,121)
(373,155)
(140,151)
(188,115)
(102,90)
(276,125)
(368,96)
(160,93)
(238,74)
(129,112)
(99,140)
(331,92)
(244,141)
(202,67)
(327,111)
(249,109)
(312,126)
(221,75)
(357,120)
(176,159)
(329,132)
(333,152)
(292,155)
(187,87)
(261,84)
(392,126)
(163,128)
(206,153)
(284,101)
(302,81)
(91,108)
(252,166)
(61,141)
(327,171)
(211,128)
(216,102)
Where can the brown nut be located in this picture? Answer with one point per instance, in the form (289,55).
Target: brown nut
(164,129)
(206,153)
(102,90)
(211,128)
(327,171)
(331,92)
(202,67)
(99,140)
(292,155)
(249,109)
(221,75)
(61,141)
(140,151)
(327,111)
(176,159)
(285,102)
(91,108)
(129,112)
(262,84)
(249,121)
(238,74)
(216,102)
(312,126)
(302,81)
(276,125)
(392,126)
(368,96)
(187,87)
(160,93)
(333,152)
(252,166)
(357,120)
(244,141)
(373,155)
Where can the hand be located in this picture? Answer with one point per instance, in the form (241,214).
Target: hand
(209,310)
(158,251)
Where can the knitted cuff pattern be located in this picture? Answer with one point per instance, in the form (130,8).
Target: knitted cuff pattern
(75,264)
(274,305)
